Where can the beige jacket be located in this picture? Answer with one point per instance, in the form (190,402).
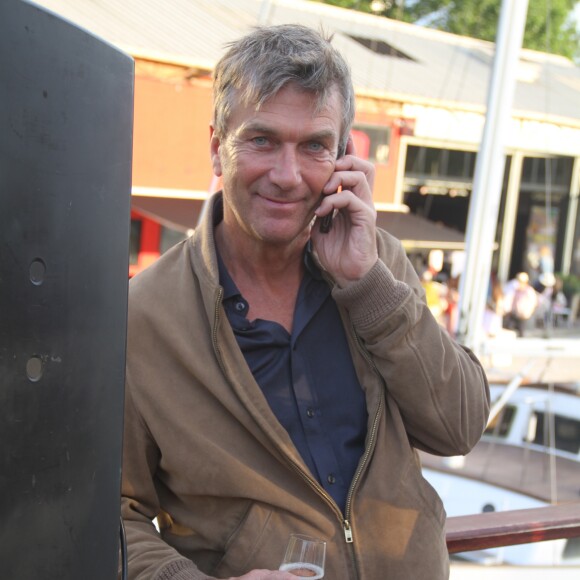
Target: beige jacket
(205,454)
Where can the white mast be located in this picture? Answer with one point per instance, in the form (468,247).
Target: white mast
(486,193)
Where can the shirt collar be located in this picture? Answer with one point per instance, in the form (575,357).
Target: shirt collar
(310,263)
(226,281)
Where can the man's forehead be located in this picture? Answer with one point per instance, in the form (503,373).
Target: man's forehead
(293,108)
(330,99)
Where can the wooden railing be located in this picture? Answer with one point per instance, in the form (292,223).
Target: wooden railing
(496,529)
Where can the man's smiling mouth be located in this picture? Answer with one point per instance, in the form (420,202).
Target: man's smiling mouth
(281,201)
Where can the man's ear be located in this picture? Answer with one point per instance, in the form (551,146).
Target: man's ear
(214,150)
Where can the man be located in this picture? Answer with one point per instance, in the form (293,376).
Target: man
(521,304)
(280,377)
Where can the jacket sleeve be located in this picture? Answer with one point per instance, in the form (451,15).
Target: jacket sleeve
(149,557)
(439,386)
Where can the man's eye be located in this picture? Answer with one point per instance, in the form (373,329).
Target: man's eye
(315,146)
(260,141)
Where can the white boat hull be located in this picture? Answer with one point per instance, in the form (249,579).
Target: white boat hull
(461,571)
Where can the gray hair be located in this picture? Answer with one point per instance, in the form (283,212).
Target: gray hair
(258,65)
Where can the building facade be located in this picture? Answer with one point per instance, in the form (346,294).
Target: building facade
(421,101)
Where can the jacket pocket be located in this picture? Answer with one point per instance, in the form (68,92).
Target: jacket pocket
(245,549)
(428,497)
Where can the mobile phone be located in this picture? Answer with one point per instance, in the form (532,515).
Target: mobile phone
(326,221)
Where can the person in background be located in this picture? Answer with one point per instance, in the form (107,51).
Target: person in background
(434,282)
(521,303)
(436,296)
(494,307)
(544,287)
(282,364)
(452,312)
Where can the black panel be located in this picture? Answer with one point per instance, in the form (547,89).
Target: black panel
(66,114)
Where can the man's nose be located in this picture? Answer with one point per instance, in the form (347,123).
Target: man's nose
(286,172)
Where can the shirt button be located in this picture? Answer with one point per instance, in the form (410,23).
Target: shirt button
(331,479)
(240,306)
(310,412)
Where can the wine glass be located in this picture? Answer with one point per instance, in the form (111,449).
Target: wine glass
(304,557)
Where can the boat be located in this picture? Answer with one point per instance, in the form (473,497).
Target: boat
(529,456)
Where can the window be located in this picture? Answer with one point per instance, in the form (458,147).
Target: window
(572,549)
(380,47)
(575,266)
(502,422)
(538,171)
(432,162)
(566,432)
(379,142)
(169,237)
(461,163)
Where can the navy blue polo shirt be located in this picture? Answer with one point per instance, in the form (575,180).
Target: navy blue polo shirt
(307,377)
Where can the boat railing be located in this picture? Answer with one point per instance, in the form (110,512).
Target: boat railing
(508,528)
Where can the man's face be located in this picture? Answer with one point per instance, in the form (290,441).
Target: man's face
(274,163)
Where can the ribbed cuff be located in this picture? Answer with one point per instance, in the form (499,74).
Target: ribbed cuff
(180,570)
(373,297)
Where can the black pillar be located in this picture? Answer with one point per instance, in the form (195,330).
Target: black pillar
(66,114)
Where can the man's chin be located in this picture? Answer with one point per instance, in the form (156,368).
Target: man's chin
(281,234)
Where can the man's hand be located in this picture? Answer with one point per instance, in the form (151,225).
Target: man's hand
(349,250)
(266,575)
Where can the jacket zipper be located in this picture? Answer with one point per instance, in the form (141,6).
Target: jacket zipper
(315,486)
(216,317)
(347,529)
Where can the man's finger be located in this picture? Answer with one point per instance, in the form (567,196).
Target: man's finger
(350,148)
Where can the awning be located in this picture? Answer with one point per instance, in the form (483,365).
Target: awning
(415,232)
(177,213)
(419,233)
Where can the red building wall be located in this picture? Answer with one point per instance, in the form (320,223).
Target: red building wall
(171,134)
